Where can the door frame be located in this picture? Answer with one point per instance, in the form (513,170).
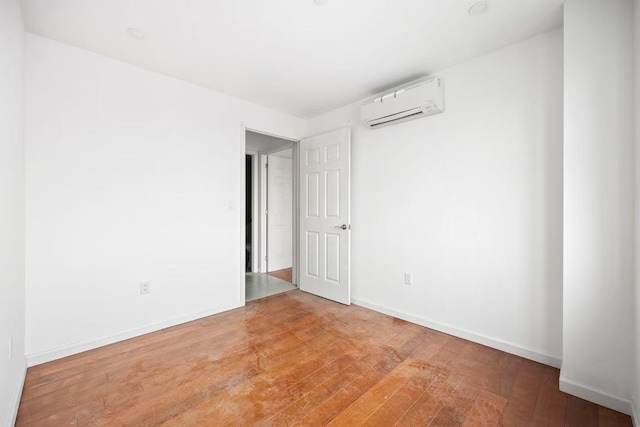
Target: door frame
(264,200)
(261,158)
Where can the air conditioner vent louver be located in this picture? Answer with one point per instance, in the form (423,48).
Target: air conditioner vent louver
(414,101)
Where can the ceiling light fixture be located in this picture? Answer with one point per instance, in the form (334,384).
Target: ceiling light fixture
(478,8)
(137,34)
(320,2)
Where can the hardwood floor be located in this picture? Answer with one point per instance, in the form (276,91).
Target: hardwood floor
(296,359)
(286,274)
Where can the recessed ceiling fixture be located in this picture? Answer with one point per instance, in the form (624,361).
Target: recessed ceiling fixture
(478,8)
(137,34)
(320,2)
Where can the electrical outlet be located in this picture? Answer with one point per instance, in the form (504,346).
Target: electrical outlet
(145,288)
(407,278)
(10,352)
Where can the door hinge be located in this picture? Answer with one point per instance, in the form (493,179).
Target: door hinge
(266,212)
(265,258)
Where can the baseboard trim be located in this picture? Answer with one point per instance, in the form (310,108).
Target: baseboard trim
(599,397)
(13,415)
(464,334)
(59,353)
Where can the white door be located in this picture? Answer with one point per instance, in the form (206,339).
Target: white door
(279,212)
(325,214)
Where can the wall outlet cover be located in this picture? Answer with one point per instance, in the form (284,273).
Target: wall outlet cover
(145,288)
(407,278)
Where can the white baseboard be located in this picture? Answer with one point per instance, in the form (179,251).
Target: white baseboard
(59,353)
(15,404)
(599,397)
(470,336)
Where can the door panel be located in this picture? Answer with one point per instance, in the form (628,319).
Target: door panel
(313,254)
(279,213)
(325,217)
(333,194)
(333,258)
(313,195)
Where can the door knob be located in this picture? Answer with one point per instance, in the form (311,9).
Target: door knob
(343,227)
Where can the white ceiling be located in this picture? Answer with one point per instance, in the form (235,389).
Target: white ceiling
(291,55)
(260,143)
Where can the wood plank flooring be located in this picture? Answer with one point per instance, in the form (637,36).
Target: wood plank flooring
(286,274)
(296,359)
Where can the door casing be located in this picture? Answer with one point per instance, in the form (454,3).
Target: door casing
(261,160)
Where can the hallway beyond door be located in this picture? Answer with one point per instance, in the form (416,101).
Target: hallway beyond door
(285,274)
(260,285)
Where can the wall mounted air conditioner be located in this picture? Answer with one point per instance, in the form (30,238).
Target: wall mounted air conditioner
(416,100)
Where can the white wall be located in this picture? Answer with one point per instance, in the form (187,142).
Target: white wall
(636,26)
(12,227)
(469,202)
(598,341)
(131,176)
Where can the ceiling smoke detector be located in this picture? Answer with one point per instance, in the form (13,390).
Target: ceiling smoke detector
(478,8)
(137,34)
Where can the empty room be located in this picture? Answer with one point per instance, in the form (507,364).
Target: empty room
(320,212)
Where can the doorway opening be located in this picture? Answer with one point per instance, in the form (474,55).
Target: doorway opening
(270,215)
